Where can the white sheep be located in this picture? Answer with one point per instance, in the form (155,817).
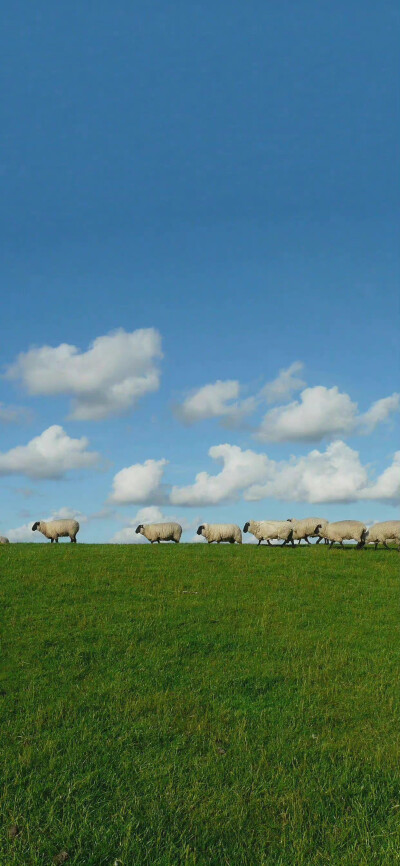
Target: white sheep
(344,530)
(160,532)
(267,530)
(4,540)
(307,527)
(55,529)
(389,530)
(220,532)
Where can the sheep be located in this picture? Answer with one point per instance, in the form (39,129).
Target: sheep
(4,540)
(389,530)
(307,526)
(220,532)
(265,530)
(344,530)
(55,529)
(160,532)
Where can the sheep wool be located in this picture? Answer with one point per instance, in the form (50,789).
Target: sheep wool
(4,540)
(307,527)
(160,532)
(220,532)
(344,530)
(55,529)
(268,530)
(381,533)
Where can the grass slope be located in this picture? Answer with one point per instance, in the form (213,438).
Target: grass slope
(200,705)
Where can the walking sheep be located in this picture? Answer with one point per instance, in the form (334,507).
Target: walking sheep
(220,532)
(4,540)
(160,532)
(267,530)
(344,530)
(55,529)
(389,530)
(307,526)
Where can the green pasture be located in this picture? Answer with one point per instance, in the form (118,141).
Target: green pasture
(200,705)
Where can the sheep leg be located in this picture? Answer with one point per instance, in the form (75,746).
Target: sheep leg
(375,545)
(306,539)
(385,545)
(331,544)
(319,539)
(259,543)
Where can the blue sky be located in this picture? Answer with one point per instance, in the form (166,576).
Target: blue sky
(207,194)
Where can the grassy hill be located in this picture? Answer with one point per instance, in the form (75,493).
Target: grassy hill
(164,705)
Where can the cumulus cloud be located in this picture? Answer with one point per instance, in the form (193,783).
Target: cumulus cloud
(240,470)
(14,414)
(108,379)
(335,475)
(286,384)
(140,483)
(23,534)
(379,412)
(386,488)
(49,455)
(319,412)
(215,401)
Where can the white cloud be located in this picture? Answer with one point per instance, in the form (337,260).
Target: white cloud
(65,513)
(49,455)
(335,475)
(215,401)
(140,483)
(286,384)
(14,414)
(107,379)
(128,535)
(240,470)
(379,412)
(387,486)
(23,533)
(320,412)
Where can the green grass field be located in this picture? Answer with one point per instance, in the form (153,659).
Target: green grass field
(165,705)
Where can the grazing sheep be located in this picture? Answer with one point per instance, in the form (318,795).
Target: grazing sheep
(344,530)
(160,532)
(220,532)
(4,540)
(307,526)
(55,529)
(389,530)
(266,530)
